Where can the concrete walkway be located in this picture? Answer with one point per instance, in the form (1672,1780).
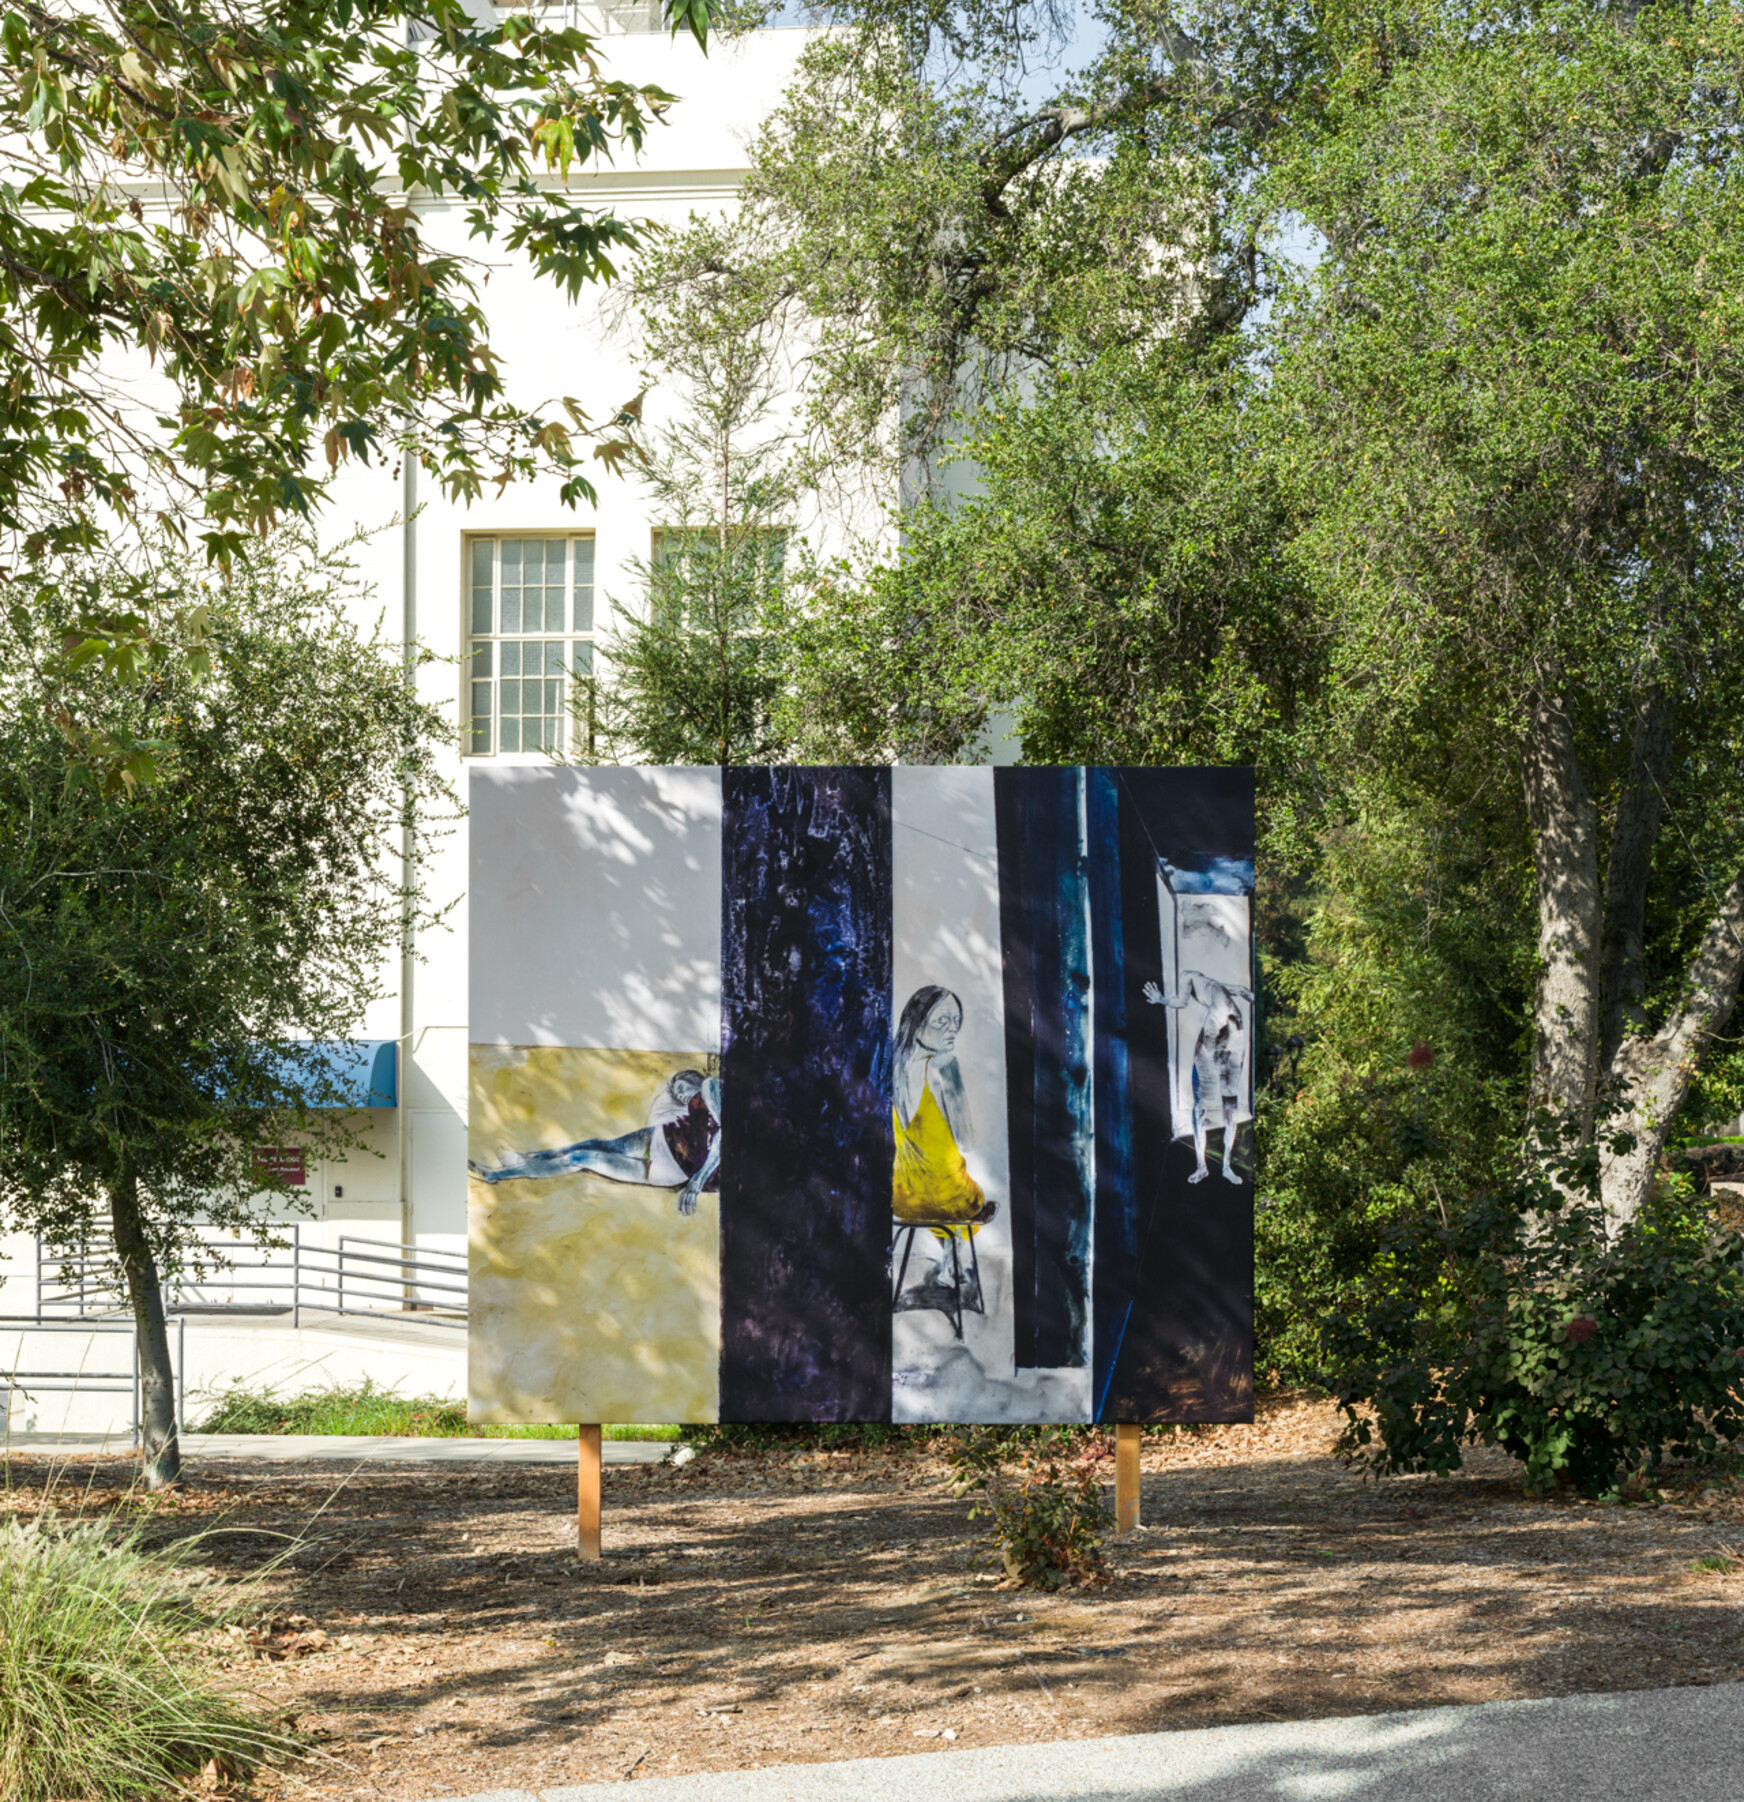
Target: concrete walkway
(1653,1745)
(345,1448)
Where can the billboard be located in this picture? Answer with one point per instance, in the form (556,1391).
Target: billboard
(849,1094)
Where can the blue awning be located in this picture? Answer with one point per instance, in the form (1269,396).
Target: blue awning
(362,1071)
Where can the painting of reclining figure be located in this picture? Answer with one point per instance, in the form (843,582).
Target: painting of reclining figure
(915,1094)
(679,1148)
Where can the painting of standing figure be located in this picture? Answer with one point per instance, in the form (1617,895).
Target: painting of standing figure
(1217,1030)
(1205,917)
(915,1094)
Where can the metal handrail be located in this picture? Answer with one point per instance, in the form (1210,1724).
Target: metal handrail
(401,1263)
(318,1278)
(21,1381)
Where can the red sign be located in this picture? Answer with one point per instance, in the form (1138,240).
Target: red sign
(283,1164)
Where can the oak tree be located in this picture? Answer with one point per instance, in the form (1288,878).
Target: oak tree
(179,956)
(1453,502)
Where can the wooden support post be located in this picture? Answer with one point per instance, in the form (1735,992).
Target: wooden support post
(1126,1439)
(587,1491)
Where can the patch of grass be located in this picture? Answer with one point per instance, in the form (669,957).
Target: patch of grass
(366,1408)
(106,1690)
(1716,1564)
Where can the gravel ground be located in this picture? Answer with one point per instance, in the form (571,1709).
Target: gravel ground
(436,1634)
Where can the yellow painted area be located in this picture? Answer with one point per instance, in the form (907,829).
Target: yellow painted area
(931,1182)
(590,1299)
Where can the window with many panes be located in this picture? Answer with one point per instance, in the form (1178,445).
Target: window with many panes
(531,621)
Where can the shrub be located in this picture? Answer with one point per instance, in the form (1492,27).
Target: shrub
(105,1692)
(1042,1493)
(1519,1320)
(338,1408)
(1409,982)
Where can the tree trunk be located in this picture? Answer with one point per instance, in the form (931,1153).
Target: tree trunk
(1653,1070)
(1622,976)
(160,1443)
(1565,855)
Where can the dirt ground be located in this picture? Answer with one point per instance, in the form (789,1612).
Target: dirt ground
(436,1634)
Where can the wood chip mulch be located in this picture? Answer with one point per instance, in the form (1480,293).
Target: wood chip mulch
(434,1633)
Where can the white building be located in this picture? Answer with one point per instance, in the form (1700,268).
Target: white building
(514,582)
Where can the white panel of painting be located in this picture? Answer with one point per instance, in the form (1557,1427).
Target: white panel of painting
(596,908)
(953,1330)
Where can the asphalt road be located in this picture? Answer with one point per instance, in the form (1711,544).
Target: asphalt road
(1651,1745)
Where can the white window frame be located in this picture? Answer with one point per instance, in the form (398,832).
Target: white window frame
(519,635)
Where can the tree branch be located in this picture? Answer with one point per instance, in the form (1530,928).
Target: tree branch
(1025,143)
(1640,806)
(1653,1070)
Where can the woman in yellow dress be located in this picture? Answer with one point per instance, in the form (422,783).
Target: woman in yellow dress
(932,1187)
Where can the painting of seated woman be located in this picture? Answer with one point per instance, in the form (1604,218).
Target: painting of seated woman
(931,1185)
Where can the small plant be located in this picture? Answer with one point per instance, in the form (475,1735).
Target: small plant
(1042,1494)
(106,1691)
(1717,1563)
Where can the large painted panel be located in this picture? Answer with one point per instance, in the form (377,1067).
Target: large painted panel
(1174,1302)
(1045,916)
(595,956)
(852,1094)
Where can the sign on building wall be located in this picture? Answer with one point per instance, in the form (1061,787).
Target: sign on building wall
(915,1094)
(282,1164)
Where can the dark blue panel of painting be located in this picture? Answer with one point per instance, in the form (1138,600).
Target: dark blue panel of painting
(1174,1312)
(806,1095)
(1116,1269)
(1044,931)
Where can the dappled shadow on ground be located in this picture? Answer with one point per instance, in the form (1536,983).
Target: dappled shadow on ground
(767,1610)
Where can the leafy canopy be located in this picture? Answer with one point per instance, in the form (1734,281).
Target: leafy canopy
(231,194)
(1510,392)
(173,956)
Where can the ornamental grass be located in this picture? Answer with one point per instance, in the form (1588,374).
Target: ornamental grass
(110,1685)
